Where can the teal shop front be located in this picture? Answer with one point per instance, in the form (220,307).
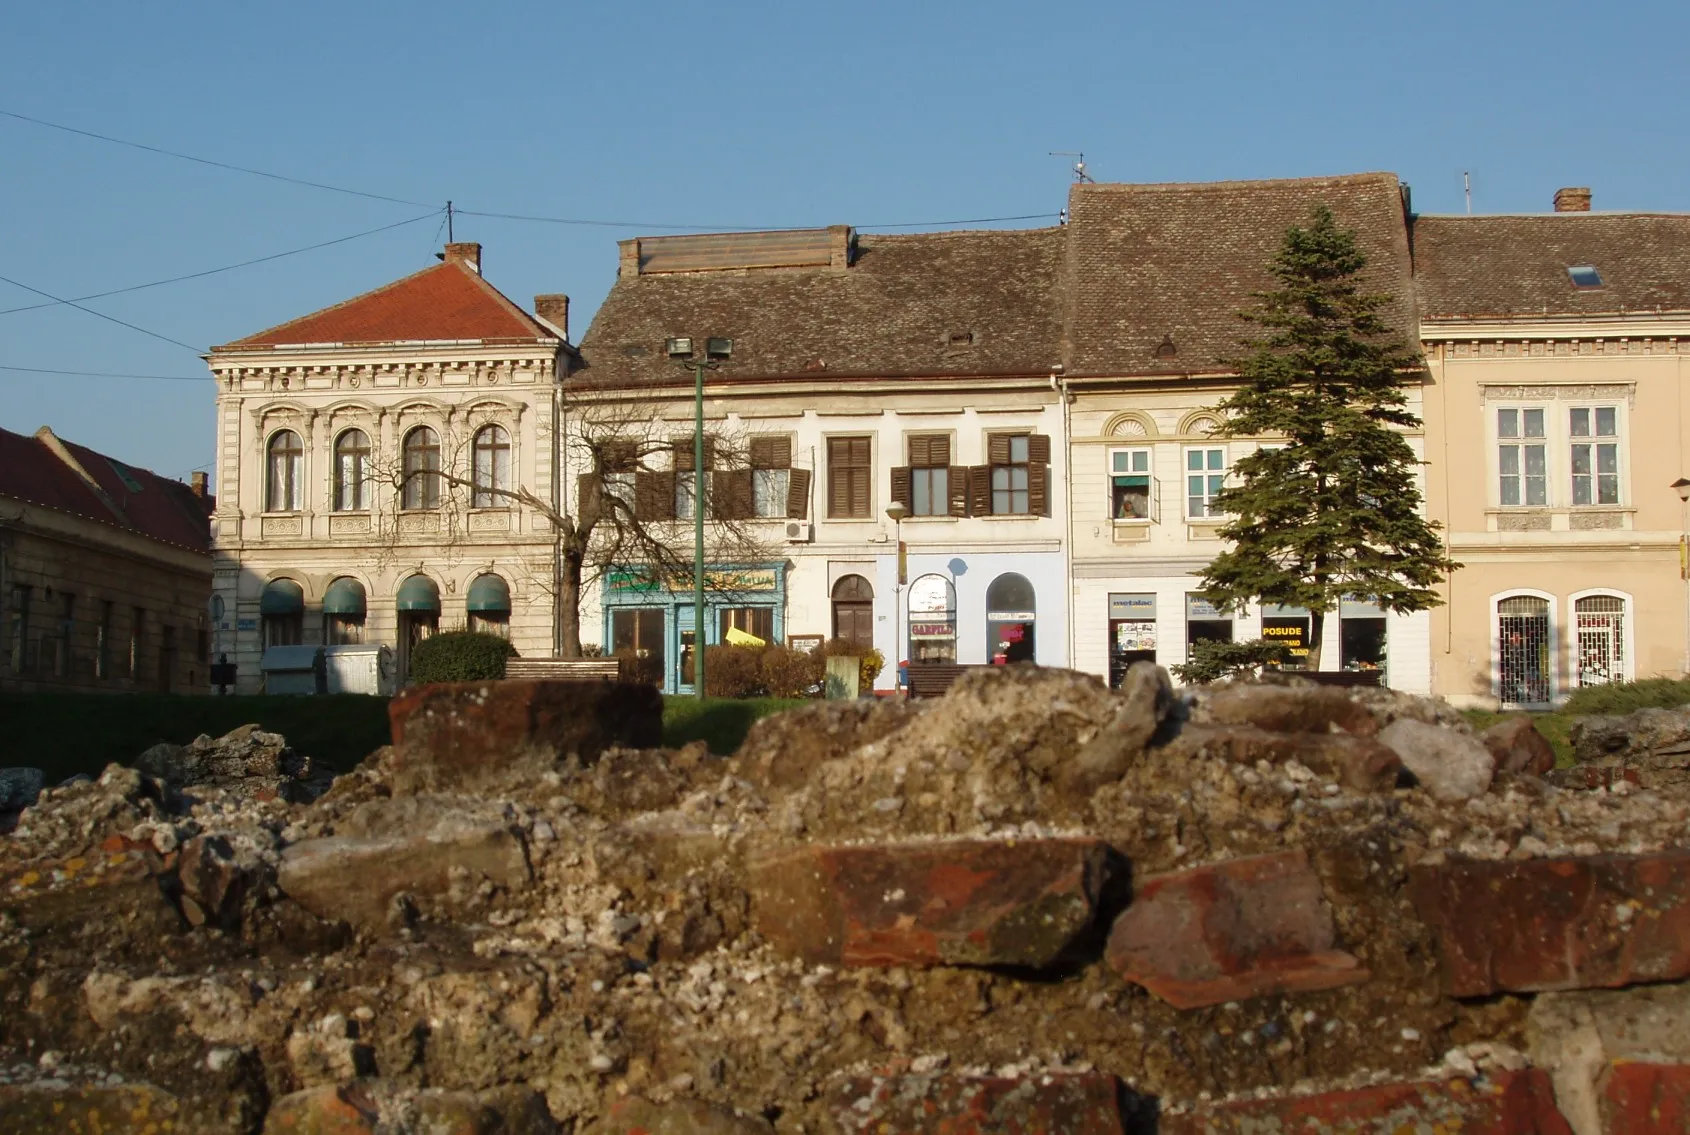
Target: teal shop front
(650,618)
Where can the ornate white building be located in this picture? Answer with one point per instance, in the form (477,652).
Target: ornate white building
(364,456)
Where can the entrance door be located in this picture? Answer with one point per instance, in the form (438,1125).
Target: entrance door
(1522,665)
(414,626)
(636,639)
(1011,609)
(853,610)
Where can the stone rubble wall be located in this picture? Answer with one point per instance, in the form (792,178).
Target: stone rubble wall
(1034,905)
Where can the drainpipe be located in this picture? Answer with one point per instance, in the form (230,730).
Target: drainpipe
(1060,384)
(558,423)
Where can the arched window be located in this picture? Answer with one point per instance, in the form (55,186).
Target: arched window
(932,615)
(422,469)
(489,605)
(853,610)
(1524,659)
(492,454)
(285,491)
(352,472)
(1011,608)
(344,608)
(1599,637)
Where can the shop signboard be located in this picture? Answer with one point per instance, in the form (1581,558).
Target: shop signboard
(1010,616)
(1132,606)
(1197,607)
(932,630)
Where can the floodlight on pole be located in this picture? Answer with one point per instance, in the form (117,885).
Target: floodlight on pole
(680,350)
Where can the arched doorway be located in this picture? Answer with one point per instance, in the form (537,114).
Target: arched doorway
(1523,650)
(932,605)
(418,603)
(853,610)
(1011,610)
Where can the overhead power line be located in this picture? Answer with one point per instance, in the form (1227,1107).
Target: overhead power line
(101,315)
(109,374)
(210,162)
(580,221)
(225,268)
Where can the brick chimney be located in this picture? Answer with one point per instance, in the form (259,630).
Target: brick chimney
(1573,199)
(196,481)
(841,245)
(554,309)
(628,260)
(468,255)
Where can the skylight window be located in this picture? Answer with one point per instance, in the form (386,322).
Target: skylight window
(1585,276)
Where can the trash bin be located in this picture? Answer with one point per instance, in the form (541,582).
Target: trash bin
(359,669)
(294,670)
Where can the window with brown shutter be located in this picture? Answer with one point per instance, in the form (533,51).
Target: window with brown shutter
(929,475)
(771,476)
(682,449)
(730,494)
(1020,474)
(798,495)
(849,467)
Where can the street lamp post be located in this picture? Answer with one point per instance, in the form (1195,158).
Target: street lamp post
(1682,488)
(715,350)
(896,511)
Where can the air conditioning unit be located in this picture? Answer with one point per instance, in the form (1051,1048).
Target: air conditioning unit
(799,531)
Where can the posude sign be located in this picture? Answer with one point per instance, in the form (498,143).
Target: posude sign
(1290,633)
(718,579)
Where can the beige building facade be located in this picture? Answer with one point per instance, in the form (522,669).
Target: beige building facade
(1558,352)
(105,573)
(372,461)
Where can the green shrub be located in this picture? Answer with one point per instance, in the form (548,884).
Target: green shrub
(1212,661)
(789,673)
(871,661)
(459,656)
(733,671)
(637,666)
(1629,697)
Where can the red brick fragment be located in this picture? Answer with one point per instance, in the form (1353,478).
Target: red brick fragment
(1518,747)
(1508,1103)
(1646,1099)
(956,902)
(1056,1104)
(1230,931)
(1598,921)
(454,732)
(326,1110)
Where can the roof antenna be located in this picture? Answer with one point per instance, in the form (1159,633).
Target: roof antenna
(1467,188)
(1080,174)
(450,237)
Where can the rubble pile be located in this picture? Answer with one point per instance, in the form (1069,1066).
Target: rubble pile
(1033,905)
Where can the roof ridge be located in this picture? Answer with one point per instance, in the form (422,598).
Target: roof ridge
(509,304)
(1580,215)
(1381,176)
(60,450)
(952,233)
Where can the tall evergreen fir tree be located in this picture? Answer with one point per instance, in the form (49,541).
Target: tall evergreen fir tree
(1334,511)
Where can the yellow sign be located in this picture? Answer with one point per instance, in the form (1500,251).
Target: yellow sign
(737,637)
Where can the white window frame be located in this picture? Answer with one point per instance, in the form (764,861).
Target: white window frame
(1555,645)
(1154,492)
(1558,442)
(1520,442)
(1594,442)
(298,473)
(1208,474)
(1628,632)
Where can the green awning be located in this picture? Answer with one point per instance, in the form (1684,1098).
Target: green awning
(282,597)
(419,593)
(344,597)
(490,593)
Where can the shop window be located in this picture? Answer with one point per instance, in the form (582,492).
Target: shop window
(1523,650)
(352,472)
(1132,633)
(1204,622)
(18,632)
(1361,635)
(421,469)
(758,622)
(137,630)
(849,469)
(1599,629)
(282,607)
(1011,611)
(166,658)
(853,610)
(285,491)
(67,628)
(1130,484)
(636,639)
(1289,627)
(932,620)
(102,640)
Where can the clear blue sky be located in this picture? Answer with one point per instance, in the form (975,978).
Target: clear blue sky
(748,114)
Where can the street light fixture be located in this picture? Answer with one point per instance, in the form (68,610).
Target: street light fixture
(681,351)
(896,512)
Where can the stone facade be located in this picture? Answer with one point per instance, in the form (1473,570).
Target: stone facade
(319,507)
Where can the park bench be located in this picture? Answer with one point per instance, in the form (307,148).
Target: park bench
(932,679)
(565,669)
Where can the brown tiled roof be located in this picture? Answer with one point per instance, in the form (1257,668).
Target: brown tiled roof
(447,301)
(1517,265)
(1149,262)
(893,311)
(144,502)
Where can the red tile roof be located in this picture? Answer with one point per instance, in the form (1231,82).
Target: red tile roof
(447,301)
(145,503)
